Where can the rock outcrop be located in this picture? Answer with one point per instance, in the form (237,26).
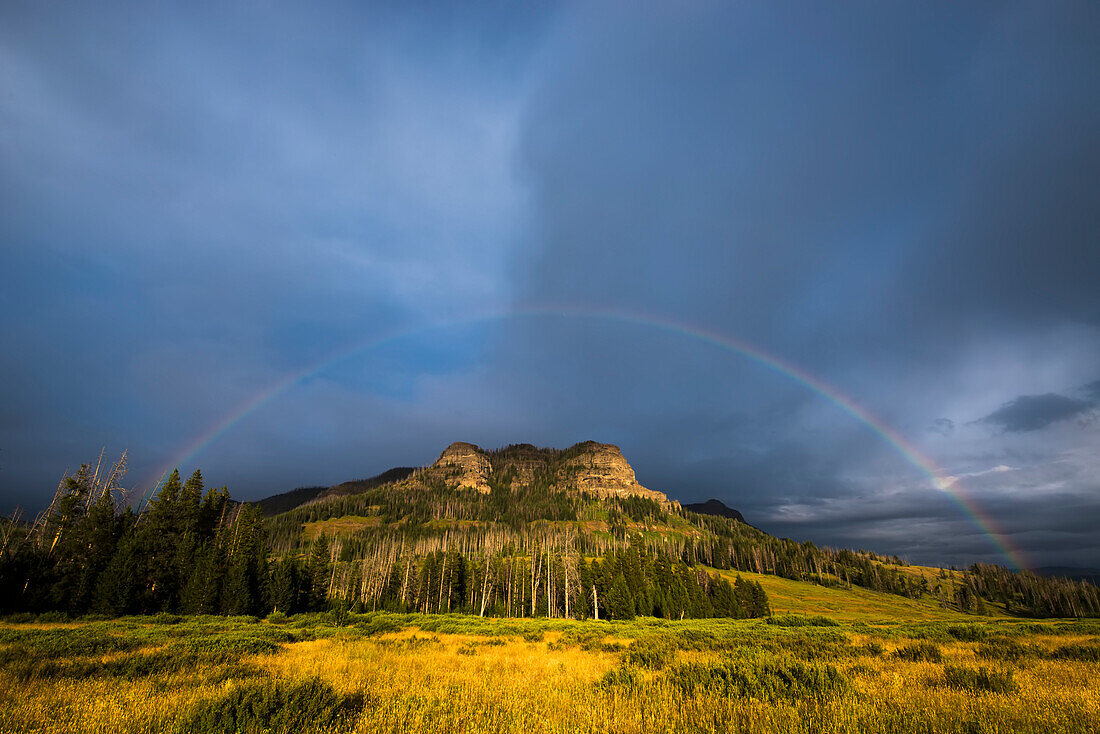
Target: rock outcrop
(464,465)
(601,469)
(596,468)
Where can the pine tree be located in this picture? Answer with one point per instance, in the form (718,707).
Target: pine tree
(318,573)
(203,592)
(158,538)
(620,605)
(285,584)
(120,586)
(245,589)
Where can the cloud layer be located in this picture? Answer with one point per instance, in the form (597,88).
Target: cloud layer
(898,200)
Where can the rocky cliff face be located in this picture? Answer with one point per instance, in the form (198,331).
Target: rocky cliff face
(464,465)
(601,469)
(597,468)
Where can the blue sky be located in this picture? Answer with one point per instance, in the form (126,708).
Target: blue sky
(197,202)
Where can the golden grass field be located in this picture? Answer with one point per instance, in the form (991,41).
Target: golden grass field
(464,674)
(452,673)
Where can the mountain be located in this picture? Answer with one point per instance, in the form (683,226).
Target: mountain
(715,507)
(524,507)
(357,486)
(277,504)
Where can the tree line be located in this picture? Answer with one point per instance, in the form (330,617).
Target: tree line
(551,580)
(437,549)
(1031,595)
(434,516)
(192,549)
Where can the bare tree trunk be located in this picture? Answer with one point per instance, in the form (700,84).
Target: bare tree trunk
(565,570)
(484,586)
(536,563)
(442,574)
(549,571)
(405,585)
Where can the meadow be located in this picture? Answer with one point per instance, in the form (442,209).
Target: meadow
(386,672)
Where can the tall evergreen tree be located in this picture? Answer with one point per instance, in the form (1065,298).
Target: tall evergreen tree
(159,536)
(245,588)
(620,605)
(318,573)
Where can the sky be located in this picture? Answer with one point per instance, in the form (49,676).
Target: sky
(295,244)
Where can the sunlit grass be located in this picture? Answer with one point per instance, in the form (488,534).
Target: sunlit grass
(393,673)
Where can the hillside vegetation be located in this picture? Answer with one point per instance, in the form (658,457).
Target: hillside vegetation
(512,591)
(516,532)
(387,672)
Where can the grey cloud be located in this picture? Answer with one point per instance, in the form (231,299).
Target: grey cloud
(1092,390)
(943,426)
(896,200)
(1033,412)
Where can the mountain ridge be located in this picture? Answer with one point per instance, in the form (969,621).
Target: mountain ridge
(715,507)
(589,467)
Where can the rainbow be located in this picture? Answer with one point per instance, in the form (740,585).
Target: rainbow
(940,480)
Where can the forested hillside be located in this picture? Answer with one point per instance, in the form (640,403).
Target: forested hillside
(194,550)
(530,542)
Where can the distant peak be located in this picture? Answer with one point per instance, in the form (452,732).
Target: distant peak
(715,507)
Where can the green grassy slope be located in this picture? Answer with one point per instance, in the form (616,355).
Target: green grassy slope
(848,605)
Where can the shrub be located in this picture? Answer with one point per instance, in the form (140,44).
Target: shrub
(968,632)
(46,617)
(624,677)
(920,651)
(795,620)
(19,618)
(982,679)
(761,678)
(652,653)
(378,626)
(813,647)
(277,617)
(872,649)
(1003,648)
(224,647)
(275,706)
(1088,652)
(62,643)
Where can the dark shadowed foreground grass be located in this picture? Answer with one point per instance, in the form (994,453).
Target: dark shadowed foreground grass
(409,673)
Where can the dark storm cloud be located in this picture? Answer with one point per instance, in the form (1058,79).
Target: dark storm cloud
(1032,412)
(815,177)
(1092,390)
(195,203)
(898,200)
